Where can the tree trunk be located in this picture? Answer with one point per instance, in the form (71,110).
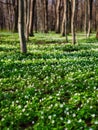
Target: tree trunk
(58,16)
(64,22)
(97,34)
(73,21)
(21,27)
(45,16)
(90,2)
(15,15)
(32,8)
(69,16)
(86,16)
(27,19)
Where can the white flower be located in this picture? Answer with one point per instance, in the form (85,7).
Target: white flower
(50,97)
(49,117)
(61,118)
(74,115)
(26,96)
(67,113)
(2,119)
(61,105)
(51,105)
(17,101)
(58,98)
(69,121)
(32,122)
(42,117)
(23,110)
(52,121)
(80,120)
(91,107)
(90,128)
(19,106)
(56,105)
(54,115)
(96,122)
(67,109)
(93,115)
(42,112)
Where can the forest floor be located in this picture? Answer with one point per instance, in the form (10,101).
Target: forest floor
(52,87)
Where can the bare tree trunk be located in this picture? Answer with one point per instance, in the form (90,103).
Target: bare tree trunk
(58,16)
(21,27)
(32,8)
(27,19)
(73,21)
(45,10)
(69,16)
(15,15)
(86,16)
(89,16)
(64,22)
(35,18)
(53,14)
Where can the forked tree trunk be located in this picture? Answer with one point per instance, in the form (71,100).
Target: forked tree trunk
(21,27)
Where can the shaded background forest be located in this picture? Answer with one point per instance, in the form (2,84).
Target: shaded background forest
(54,15)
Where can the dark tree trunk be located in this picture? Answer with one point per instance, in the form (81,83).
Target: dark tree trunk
(32,8)
(21,27)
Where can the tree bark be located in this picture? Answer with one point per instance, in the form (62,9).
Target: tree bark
(69,16)
(32,8)
(73,21)
(58,16)
(90,2)
(21,27)
(45,10)
(64,22)
(27,19)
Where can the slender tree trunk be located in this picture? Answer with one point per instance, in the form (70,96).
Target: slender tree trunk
(58,16)
(27,19)
(32,8)
(89,16)
(69,16)
(86,16)
(15,15)
(64,22)
(95,25)
(53,14)
(73,21)
(45,16)
(35,19)
(21,27)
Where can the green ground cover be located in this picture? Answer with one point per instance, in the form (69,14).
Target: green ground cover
(52,87)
